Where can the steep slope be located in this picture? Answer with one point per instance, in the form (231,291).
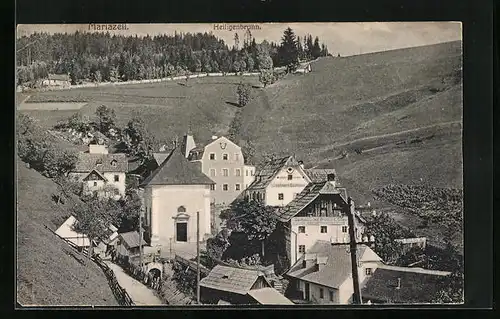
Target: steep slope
(49,272)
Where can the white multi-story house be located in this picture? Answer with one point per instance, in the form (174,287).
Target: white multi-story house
(101,172)
(279,181)
(222,160)
(317,213)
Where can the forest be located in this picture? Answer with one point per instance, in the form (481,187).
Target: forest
(102,57)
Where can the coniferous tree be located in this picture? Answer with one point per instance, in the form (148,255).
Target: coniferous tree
(288,51)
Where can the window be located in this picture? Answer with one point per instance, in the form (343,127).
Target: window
(368,271)
(280,196)
(290,177)
(331,295)
(212,156)
(225,187)
(344,229)
(321,294)
(324,229)
(302,229)
(117,178)
(225,156)
(225,172)
(212,172)
(113,163)
(236,156)
(330,177)
(302,249)
(95,183)
(246,172)
(181,209)
(238,172)
(237,187)
(212,187)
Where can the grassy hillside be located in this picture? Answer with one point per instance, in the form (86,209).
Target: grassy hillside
(170,108)
(49,272)
(396,114)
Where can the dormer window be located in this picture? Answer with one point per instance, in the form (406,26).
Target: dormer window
(330,177)
(113,163)
(99,161)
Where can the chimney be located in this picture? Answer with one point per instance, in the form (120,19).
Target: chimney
(321,263)
(309,260)
(331,179)
(98,149)
(399,284)
(187,145)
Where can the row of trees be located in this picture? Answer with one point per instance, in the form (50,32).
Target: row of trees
(102,57)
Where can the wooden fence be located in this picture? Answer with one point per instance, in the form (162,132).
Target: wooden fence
(120,294)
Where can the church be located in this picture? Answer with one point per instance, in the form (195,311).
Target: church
(173,194)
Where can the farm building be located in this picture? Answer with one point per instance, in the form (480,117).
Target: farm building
(100,172)
(66,231)
(229,285)
(173,194)
(57,80)
(323,275)
(402,285)
(128,244)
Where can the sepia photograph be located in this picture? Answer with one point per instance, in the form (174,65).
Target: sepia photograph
(225,164)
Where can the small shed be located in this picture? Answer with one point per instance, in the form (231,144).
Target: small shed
(238,286)
(66,231)
(129,243)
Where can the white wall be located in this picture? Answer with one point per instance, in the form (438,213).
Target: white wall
(249,175)
(120,185)
(288,188)
(164,200)
(314,294)
(219,196)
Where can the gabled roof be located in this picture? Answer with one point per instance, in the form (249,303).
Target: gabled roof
(235,280)
(97,173)
(101,162)
(265,174)
(132,239)
(417,285)
(307,196)
(338,264)
(197,152)
(66,232)
(177,170)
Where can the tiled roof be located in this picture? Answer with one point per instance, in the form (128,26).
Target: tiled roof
(87,162)
(318,175)
(416,285)
(304,198)
(269,296)
(266,173)
(177,170)
(132,239)
(338,264)
(236,280)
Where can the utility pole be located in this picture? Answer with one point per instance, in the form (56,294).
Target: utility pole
(140,238)
(198,257)
(353,250)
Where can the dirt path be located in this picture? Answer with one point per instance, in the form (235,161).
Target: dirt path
(140,294)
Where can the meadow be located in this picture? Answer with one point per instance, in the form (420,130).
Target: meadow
(397,115)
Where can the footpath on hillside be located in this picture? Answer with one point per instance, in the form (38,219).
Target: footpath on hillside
(140,294)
